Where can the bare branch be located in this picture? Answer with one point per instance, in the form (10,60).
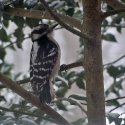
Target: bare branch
(117,107)
(108,64)
(18,82)
(116,4)
(64,24)
(25,113)
(113,12)
(33,99)
(41,14)
(115,99)
(72,65)
(12,43)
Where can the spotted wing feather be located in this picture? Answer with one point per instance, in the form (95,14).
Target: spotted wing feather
(41,69)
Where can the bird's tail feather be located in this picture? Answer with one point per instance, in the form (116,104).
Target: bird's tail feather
(45,95)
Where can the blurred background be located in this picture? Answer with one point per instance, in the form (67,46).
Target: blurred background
(15,47)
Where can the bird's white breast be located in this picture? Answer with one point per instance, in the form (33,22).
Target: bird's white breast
(34,52)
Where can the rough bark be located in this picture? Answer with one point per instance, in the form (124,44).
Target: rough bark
(93,63)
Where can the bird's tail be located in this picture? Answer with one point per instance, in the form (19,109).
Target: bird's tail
(46,95)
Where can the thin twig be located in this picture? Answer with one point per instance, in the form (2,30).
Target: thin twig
(113,62)
(115,99)
(9,45)
(25,113)
(117,107)
(15,42)
(64,24)
(113,12)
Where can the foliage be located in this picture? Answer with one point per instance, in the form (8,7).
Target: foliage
(66,79)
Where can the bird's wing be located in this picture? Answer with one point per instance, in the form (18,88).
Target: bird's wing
(41,70)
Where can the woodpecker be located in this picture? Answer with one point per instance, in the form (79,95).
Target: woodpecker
(44,62)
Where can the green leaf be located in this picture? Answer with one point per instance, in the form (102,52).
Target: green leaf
(20,36)
(116,20)
(19,21)
(6,19)
(61,106)
(2,53)
(80,80)
(119,29)
(70,11)
(105,23)
(61,91)
(112,102)
(114,117)
(80,83)
(31,22)
(116,71)
(109,37)
(3,35)
(78,97)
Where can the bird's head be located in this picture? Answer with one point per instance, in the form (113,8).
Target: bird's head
(40,31)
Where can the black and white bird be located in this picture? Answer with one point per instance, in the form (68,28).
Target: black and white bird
(44,62)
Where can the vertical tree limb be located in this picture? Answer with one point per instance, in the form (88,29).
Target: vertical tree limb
(93,63)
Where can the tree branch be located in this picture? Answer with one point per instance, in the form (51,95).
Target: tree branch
(108,64)
(117,107)
(33,99)
(66,67)
(113,12)
(115,99)
(70,66)
(116,4)
(64,24)
(41,14)
(25,113)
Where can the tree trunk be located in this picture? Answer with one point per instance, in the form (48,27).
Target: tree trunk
(93,63)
